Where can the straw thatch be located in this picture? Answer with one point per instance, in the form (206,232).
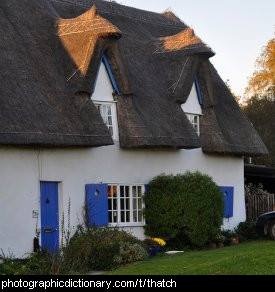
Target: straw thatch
(80,35)
(49,67)
(181,40)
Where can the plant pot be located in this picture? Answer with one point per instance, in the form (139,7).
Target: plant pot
(159,249)
(212,245)
(152,250)
(234,241)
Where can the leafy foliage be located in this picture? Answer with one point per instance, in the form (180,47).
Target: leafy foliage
(92,249)
(102,249)
(189,207)
(260,112)
(264,76)
(35,264)
(255,190)
(247,231)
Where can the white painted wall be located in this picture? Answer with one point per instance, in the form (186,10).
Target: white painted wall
(192,105)
(22,169)
(103,89)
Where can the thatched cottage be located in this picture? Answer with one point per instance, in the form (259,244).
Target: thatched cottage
(96,99)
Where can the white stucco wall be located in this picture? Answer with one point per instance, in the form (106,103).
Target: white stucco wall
(103,89)
(21,170)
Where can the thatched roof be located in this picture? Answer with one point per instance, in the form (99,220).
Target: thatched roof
(50,54)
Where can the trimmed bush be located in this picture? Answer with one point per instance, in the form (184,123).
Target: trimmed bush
(130,253)
(188,206)
(102,249)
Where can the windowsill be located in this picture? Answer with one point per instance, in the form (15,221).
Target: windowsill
(119,225)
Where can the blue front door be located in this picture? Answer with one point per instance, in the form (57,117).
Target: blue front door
(49,216)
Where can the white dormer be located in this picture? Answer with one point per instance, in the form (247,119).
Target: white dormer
(192,107)
(104,100)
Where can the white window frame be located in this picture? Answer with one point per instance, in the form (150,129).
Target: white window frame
(131,207)
(112,104)
(191,117)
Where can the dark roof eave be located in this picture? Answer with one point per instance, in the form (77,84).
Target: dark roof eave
(54,140)
(259,170)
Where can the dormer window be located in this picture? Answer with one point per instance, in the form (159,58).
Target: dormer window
(195,121)
(108,113)
(103,99)
(193,107)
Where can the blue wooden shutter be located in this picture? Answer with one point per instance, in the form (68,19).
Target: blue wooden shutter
(228,194)
(97,204)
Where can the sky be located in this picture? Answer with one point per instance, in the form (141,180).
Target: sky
(235,29)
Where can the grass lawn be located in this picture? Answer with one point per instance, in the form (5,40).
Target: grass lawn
(252,258)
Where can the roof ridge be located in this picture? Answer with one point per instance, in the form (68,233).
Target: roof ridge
(87,4)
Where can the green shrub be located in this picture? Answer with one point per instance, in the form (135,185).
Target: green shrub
(92,249)
(101,249)
(130,253)
(35,264)
(228,235)
(247,231)
(188,206)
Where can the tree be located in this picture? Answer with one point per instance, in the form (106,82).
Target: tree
(261,112)
(263,79)
(260,101)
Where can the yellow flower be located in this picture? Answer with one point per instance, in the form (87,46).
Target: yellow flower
(159,241)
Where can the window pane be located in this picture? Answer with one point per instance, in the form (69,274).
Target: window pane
(109,191)
(140,191)
(110,217)
(110,204)
(115,217)
(110,122)
(115,204)
(127,191)
(115,191)
(140,204)
(121,191)
(135,216)
(128,216)
(134,204)
(109,110)
(122,205)
(128,204)
(122,216)
(139,216)
(134,189)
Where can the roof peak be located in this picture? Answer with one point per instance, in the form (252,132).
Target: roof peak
(112,7)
